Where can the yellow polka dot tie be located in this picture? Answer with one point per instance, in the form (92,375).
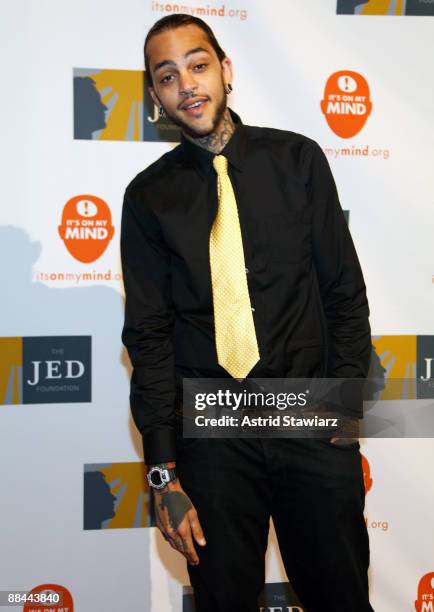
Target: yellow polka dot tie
(236,344)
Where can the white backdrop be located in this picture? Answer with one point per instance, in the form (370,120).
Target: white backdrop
(284,53)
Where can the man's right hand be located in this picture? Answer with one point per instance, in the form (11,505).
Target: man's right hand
(177,519)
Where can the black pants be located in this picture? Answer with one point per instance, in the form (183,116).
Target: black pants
(313,490)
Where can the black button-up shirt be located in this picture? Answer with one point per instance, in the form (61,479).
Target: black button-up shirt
(306,286)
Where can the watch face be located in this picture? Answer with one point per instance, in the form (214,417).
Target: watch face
(155,477)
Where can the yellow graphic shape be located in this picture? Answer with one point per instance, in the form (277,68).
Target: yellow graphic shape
(11,360)
(129,487)
(126,88)
(398,356)
(381,7)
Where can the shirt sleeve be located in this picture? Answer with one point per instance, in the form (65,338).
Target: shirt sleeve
(147,329)
(339,274)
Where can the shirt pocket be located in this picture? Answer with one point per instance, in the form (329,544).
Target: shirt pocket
(288,236)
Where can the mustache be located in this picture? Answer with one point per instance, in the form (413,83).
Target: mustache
(193,96)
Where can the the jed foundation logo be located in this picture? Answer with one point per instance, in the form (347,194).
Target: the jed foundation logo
(45,369)
(385,7)
(407,366)
(116,105)
(276,597)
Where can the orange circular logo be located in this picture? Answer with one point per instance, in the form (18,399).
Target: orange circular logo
(346,104)
(86,227)
(52,597)
(425,594)
(366,474)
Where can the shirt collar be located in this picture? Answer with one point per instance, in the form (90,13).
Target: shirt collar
(234,149)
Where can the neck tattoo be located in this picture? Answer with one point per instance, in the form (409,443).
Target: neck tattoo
(217,140)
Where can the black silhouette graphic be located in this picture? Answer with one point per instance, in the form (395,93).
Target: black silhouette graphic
(348,7)
(98,500)
(89,110)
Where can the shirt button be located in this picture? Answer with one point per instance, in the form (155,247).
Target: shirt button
(247,270)
(253,310)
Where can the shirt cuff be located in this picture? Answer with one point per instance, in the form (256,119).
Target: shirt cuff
(159,446)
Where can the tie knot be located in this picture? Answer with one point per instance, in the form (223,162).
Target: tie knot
(220,164)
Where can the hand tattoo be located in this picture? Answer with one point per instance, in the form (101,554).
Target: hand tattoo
(177,504)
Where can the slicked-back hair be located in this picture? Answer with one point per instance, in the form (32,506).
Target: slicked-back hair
(171,22)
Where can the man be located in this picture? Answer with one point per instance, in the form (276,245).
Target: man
(267,199)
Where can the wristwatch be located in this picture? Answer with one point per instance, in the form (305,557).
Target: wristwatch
(158,476)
